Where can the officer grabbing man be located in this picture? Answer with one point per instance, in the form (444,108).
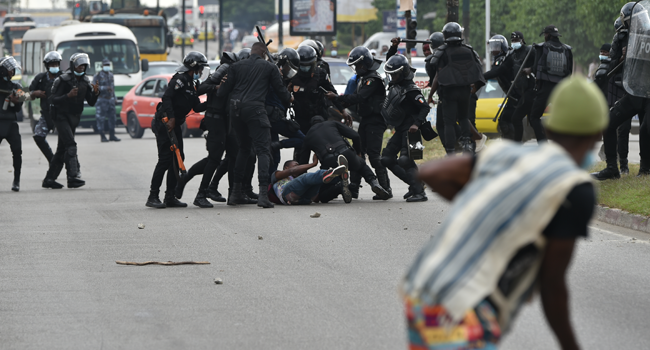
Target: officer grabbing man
(502,71)
(553,62)
(41,87)
(8,122)
(69,91)
(406,109)
(179,99)
(459,67)
(105,106)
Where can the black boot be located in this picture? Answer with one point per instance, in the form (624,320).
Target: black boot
(609,173)
(215,196)
(15,186)
(418,197)
(201,201)
(624,168)
(408,194)
(180,185)
(384,181)
(172,202)
(263,199)
(74,176)
(75,182)
(237,195)
(643,172)
(51,183)
(330,192)
(378,190)
(154,202)
(113,137)
(103,137)
(467,145)
(249,193)
(354,190)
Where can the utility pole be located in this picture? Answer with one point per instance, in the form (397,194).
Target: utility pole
(280,25)
(183,31)
(452,11)
(206,37)
(220,28)
(487,35)
(466,21)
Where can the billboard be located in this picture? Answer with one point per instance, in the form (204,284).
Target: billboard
(355,11)
(312,17)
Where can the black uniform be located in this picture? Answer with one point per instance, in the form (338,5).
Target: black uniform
(248,83)
(43,82)
(66,112)
(502,71)
(179,99)
(404,106)
(432,69)
(309,98)
(458,67)
(553,62)
(9,127)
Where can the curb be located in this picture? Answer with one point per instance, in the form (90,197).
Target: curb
(622,218)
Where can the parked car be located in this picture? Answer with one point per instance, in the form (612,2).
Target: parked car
(160,67)
(139,107)
(189,39)
(248,41)
(340,73)
(211,36)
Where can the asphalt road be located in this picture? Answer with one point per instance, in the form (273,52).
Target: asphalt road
(325,283)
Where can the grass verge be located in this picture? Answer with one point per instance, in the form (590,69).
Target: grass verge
(629,193)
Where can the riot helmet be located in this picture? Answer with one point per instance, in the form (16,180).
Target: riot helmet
(321,49)
(52,57)
(436,39)
(361,60)
(289,62)
(244,54)
(228,57)
(79,59)
(308,60)
(193,61)
(452,32)
(7,65)
(312,44)
(618,25)
(397,68)
(498,44)
(626,14)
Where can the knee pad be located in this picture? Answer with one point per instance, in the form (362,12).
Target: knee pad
(405,162)
(388,161)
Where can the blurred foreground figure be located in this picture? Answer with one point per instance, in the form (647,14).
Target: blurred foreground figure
(514,224)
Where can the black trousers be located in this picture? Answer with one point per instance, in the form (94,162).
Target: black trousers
(403,167)
(9,131)
(66,148)
(440,125)
(623,111)
(253,132)
(371,133)
(355,164)
(522,109)
(505,120)
(542,94)
(216,144)
(165,159)
(454,102)
(623,140)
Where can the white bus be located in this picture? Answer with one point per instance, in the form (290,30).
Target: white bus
(99,40)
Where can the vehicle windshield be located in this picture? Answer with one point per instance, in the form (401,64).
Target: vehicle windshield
(340,73)
(491,90)
(160,69)
(15,34)
(150,39)
(121,52)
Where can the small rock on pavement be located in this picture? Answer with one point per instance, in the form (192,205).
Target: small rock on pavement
(218,281)
(315,215)
(260,238)
(141,226)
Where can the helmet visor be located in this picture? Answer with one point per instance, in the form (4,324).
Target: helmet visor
(10,63)
(494,45)
(288,71)
(81,59)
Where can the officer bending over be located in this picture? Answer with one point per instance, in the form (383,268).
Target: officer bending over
(8,122)
(41,87)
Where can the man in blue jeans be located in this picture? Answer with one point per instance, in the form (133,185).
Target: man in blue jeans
(294,186)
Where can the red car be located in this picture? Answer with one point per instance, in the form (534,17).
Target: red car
(139,107)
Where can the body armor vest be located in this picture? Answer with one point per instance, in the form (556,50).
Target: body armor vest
(392,110)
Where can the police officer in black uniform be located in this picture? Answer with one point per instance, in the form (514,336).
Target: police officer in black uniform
(600,75)
(41,87)
(179,99)
(320,51)
(406,109)
(367,98)
(615,92)
(525,84)
(67,103)
(8,122)
(501,70)
(247,84)
(625,108)
(459,67)
(553,62)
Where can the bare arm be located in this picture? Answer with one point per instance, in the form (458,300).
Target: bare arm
(447,176)
(297,170)
(554,293)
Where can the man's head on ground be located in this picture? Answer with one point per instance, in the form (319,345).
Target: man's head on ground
(289,164)
(258,49)
(578,116)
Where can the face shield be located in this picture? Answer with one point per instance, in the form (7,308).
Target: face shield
(288,71)
(11,64)
(80,59)
(494,45)
(394,75)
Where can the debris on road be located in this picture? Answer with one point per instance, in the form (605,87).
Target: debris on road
(141,226)
(162,263)
(315,215)
(260,238)
(218,281)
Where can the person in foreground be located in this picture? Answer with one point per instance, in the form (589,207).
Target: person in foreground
(515,217)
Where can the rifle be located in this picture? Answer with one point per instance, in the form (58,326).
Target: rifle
(260,37)
(513,82)
(178,165)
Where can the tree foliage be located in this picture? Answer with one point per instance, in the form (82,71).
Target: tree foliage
(246,13)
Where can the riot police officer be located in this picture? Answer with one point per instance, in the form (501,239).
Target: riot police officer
(553,62)
(67,103)
(105,106)
(368,97)
(320,50)
(406,109)
(179,99)
(458,69)
(600,75)
(615,92)
(8,122)
(525,82)
(41,87)
(502,72)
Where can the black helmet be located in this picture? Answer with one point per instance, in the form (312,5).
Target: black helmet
(192,61)
(618,24)
(79,59)
(436,40)
(228,57)
(7,64)
(452,32)
(244,54)
(626,13)
(360,59)
(321,49)
(51,57)
(312,44)
(398,69)
(289,62)
(498,43)
(308,60)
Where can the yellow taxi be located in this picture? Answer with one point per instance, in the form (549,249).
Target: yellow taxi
(202,36)
(178,39)
(490,98)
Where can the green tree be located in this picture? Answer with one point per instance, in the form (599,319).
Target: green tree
(246,13)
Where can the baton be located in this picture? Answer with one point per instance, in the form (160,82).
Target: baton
(513,82)
(260,37)
(616,69)
(414,41)
(178,165)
